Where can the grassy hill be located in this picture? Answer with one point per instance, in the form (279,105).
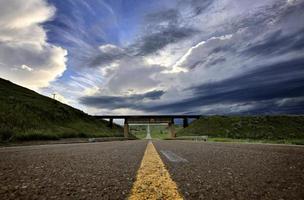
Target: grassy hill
(27,115)
(247,127)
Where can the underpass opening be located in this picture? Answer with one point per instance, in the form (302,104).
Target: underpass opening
(149,130)
(148,121)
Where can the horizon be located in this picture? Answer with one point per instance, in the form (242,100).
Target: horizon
(136,58)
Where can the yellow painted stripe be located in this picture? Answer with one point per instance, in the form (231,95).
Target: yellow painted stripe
(153,181)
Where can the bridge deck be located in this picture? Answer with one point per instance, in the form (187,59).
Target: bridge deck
(146,116)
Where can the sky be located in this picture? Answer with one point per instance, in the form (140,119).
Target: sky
(205,57)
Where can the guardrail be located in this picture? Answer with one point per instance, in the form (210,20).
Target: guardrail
(196,138)
(105,139)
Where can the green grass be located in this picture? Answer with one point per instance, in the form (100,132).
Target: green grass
(138,131)
(248,127)
(159,131)
(139,135)
(27,115)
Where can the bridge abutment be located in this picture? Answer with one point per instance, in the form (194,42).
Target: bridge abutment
(171,130)
(185,122)
(126,128)
(111,125)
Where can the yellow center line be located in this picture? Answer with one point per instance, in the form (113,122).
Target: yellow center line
(153,181)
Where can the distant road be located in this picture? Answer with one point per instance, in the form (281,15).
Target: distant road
(108,170)
(148,137)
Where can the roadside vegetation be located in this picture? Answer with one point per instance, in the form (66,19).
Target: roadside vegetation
(138,131)
(264,129)
(277,141)
(27,115)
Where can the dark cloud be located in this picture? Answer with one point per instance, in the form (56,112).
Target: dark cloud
(153,95)
(217,61)
(156,41)
(199,6)
(293,106)
(171,16)
(277,43)
(115,102)
(273,82)
(277,28)
(196,64)
(104,58)
(264,89)
(162,28)
(168,26)
(222,48)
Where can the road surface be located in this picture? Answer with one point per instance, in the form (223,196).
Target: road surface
(103,170)
(235,171)
(108,170)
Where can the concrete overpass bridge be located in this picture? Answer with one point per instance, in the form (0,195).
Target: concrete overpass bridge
(149,119)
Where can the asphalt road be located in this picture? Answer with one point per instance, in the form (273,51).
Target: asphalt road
(103,170)
(107,170)
(235,171)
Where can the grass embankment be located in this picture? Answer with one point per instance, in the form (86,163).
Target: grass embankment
(138,131)
(262,129)
(277,141)
(27,115)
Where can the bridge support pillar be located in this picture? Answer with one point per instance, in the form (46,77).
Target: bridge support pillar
(111,123)
(171,130)
(185,122)
(126,128)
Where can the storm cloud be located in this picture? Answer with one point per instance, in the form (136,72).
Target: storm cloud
(277,88)
(116,102)
(156,41)
(247,66)
(276,43)
(267,84)
(179,56)
(162,28)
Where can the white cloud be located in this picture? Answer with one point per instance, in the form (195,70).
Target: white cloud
(24,46)
(60,98)
(185,61)
(133,74)
(180,63)
(291,2)
(110,48)
(16,14)
(25,67)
